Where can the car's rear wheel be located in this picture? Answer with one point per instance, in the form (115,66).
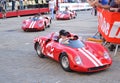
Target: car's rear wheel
(64,61)
(45,26)
(50,21)
(74,17)
(39,50)
(49,26)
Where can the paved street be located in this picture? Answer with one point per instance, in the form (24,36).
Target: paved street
(19,62)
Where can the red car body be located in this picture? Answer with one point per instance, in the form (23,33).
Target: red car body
(65,15)
(36,23)
(78,56)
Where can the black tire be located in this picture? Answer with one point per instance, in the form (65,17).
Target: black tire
(64,62)
(39,50)
(49,26)
(50,21)
(74,17)
(44,28)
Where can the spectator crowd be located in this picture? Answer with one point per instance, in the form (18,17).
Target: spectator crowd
(111,5)
(12,5)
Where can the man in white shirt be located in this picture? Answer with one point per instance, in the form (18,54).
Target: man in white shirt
(52,8)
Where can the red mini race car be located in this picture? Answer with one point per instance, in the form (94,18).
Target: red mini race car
(78,55)
(36,23)
(65,15)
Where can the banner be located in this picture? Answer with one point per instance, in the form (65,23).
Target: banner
(109,25)
(74,6)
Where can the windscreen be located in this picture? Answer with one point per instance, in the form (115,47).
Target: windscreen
(75,43)
(36,18)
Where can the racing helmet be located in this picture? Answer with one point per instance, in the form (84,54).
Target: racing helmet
(61,32)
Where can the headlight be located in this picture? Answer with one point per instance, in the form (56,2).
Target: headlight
(40,24)
(106,55)
(78,60)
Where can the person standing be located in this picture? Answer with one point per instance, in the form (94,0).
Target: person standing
(36,1)
(3,11)
(0,7)
(21,4)
(4,3)
(92,3)
(52,8)
(13,5)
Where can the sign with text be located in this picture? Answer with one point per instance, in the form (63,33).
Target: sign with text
(74,6)
(109,25)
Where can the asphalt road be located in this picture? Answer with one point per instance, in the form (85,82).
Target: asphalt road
(19,62)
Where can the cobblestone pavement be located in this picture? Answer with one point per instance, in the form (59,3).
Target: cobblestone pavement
(19,62)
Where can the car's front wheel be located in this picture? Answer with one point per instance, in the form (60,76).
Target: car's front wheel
(39,50)
(44,28)
(64,61)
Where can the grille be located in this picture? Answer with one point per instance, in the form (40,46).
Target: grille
(98,68)
(31,29)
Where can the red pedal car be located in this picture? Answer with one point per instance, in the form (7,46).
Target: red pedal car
(36,23)
(65,15)
(80,56)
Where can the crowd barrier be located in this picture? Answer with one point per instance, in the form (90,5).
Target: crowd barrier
(25,12)
(109,26)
